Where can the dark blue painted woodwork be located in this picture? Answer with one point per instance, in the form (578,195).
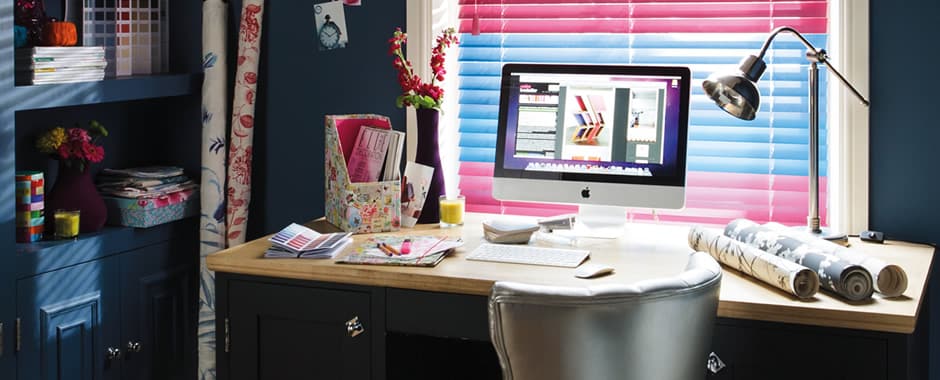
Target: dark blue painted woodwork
(7,168)
(904,133)
(298,85)
(153,120)
(36,258)
(69,318)
(158,305)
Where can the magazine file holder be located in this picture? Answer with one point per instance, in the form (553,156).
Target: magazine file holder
(362,207)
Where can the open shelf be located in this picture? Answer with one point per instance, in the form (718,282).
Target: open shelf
(109,90)
(48,255)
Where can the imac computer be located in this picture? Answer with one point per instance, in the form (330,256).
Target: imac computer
(593,135)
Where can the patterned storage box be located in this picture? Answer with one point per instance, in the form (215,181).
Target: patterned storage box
(357,207)
(149,212)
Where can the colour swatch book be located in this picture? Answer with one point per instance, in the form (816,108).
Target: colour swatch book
(297,238)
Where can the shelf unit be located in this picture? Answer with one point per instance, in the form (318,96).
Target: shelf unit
(153,119)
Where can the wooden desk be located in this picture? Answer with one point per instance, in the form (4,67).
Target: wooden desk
(646,251)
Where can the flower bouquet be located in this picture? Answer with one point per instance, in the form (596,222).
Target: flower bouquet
(426,98)
(416,92)
(75,147)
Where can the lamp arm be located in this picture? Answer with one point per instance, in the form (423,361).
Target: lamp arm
(814,55)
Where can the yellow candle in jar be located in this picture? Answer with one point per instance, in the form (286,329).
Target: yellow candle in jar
(67,223)
(452,210)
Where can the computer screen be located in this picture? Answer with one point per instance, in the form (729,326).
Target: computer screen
(593,134)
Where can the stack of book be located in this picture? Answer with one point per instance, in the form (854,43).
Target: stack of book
(59,64)
(143,182)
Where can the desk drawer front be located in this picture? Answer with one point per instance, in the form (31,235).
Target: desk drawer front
(437,314)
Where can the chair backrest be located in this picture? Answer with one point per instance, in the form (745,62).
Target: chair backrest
(657,329)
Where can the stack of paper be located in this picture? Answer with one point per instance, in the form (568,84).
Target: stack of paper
(59,64)
(296,241)
(143,182)
(421,250)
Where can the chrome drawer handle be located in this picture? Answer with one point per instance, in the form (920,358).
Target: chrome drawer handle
(354,327)
(113,353)
(715,364)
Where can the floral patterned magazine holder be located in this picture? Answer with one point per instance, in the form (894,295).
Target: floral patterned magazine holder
(363,207)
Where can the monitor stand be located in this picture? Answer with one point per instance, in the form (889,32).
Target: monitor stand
(599,222)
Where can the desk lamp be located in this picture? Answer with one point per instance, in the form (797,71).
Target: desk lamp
(736,93)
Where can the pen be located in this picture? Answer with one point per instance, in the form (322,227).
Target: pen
(406,247)
(391,249)
(382,248)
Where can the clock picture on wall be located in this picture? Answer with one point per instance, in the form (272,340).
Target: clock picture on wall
(330,25)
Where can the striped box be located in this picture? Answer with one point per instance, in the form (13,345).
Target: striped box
(30,198)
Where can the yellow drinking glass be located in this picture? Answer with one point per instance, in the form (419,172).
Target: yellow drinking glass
(66,223)
(452,210)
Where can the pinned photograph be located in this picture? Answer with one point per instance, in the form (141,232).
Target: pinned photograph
(331,25)
(414,191)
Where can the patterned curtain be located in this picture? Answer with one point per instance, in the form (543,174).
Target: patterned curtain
(222,226)
(212,194)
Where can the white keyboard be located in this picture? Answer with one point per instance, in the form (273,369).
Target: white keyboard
(526,254)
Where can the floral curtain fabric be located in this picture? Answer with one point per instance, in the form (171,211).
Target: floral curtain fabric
(212,194)
(243,120)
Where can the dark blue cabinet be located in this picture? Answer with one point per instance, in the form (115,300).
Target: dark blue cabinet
(127,316)
(158,312)
(69,319)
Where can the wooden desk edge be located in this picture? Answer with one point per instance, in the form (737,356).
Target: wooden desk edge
(367,275)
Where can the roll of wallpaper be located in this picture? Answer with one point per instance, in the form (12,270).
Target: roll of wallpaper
(785,275)
(890,279)
(848,280)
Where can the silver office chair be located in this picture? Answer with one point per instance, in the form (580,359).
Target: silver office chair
(659,329)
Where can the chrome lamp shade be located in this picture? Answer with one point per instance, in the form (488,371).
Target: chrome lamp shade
(736,91)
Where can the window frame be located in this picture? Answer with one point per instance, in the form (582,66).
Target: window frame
(848,146)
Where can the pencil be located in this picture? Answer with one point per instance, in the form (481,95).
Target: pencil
(382,248)
(391,249)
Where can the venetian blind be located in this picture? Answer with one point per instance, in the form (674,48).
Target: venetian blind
(753,169)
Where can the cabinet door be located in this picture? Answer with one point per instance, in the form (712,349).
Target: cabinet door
(292,332)
(158,306)
(69,320)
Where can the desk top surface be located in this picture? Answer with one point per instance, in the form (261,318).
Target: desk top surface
(645,251)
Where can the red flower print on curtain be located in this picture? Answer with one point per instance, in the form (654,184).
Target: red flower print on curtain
(243,120)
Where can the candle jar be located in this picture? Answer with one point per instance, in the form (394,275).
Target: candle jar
(67,223)
(452,210)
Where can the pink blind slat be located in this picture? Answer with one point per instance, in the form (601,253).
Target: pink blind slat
(627,12)
(659,25)
(472,3)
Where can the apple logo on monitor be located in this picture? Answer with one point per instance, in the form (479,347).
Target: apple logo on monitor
(586,192)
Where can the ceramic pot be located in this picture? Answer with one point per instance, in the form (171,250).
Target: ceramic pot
(74,190)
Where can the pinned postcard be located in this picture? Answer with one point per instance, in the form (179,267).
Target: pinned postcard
(414,190)
(330,21)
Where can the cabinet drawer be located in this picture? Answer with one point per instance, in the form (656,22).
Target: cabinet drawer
(765,351)
(437,314)
(287,332)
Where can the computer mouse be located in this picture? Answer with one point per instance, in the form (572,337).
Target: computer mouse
(591,270)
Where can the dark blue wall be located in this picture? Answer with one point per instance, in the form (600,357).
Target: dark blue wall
(905,131)
(300,85)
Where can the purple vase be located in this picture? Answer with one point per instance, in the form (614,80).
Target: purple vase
(74,190)
(427,153)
